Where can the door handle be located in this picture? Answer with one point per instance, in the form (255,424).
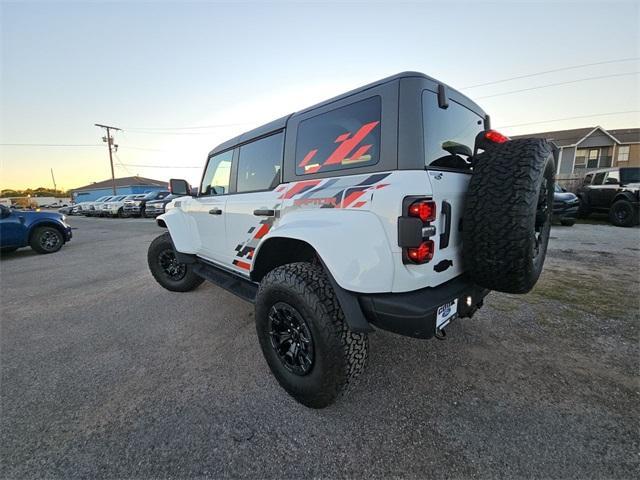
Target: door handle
(444,236)
(215,211)
(265,213)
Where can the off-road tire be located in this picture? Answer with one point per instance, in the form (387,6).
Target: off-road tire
(510,195)
(568,222)
(37,240)
(122,214)
(630,212)
(160,246)
(340,355)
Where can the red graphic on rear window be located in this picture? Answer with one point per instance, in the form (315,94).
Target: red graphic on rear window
(343,153)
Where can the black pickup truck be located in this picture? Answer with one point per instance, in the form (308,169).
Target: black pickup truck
(614,191)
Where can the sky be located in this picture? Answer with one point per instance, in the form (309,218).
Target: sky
(157,69)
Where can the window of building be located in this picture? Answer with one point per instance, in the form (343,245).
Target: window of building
(346,137)
(259,164)
(446,129)
(592,161)
(599,177)
(623,153)
(216,176)
(581,159)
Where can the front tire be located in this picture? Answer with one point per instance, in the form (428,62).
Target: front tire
(304,337)
(165,268)
(46,240)
(623,214)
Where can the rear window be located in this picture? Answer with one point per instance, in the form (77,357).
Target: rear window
(446,131)
(347,137)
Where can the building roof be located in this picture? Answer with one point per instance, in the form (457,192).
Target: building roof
(626,135)
(564,138)
(123,182)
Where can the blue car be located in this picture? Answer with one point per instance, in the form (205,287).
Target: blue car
(45,232)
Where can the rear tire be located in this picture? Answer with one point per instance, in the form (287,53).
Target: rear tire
(168,272)
(507,216)
(623,214)
(319,370)
(46,240)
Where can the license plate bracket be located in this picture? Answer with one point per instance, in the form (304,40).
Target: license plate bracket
(446,313)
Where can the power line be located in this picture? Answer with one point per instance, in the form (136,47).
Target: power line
(562,69)
(558,84)
(569,118)
(136,132)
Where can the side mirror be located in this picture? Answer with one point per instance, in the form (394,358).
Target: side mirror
(179,187)
(455,148)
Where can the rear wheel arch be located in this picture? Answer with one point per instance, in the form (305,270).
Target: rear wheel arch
(278,251)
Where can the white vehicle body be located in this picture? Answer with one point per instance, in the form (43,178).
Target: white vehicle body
(365,210)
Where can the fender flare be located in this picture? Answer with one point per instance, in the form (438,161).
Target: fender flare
(338,237)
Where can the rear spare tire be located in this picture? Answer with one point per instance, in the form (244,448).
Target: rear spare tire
(507,216)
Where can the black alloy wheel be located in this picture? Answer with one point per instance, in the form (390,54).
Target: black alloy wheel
(291,338)
(542,226)
(170,266)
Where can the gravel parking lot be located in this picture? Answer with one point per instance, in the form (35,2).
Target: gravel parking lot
(105,374)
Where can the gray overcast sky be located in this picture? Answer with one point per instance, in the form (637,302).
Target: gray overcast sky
(68,65)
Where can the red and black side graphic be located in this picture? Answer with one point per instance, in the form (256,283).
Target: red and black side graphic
(347,152)
(245,250)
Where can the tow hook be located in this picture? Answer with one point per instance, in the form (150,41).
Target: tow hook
(441,334)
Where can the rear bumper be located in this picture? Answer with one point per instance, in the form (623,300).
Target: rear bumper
(413,314)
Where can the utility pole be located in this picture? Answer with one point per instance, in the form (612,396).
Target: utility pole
(55,189)
(109,140)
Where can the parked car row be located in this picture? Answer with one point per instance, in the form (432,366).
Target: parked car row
(149,204)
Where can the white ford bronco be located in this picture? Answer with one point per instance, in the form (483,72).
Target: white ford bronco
(391,206)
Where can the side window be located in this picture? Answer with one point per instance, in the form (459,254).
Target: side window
(346,137)
(448,131)
(216,176)
(613,178)
(259,164)
(587,179)
(599,177)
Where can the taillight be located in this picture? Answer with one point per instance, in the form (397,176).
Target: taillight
(421,254)
(425,210)
(495,137)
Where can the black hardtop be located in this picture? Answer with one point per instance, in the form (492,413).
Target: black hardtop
(281,123)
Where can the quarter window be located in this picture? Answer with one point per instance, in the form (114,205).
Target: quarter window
(447,131)
(259,164)
(346,137)
(216,177)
